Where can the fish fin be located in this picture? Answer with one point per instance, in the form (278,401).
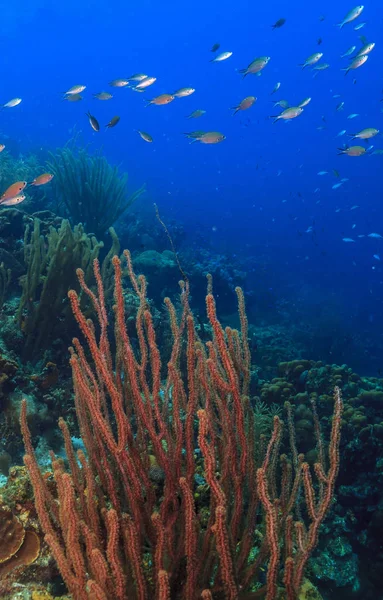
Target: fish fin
(193,141)
(303,65)
(340,25)
(275,117)
(241,70)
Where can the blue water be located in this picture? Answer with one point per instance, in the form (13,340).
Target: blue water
(252,196)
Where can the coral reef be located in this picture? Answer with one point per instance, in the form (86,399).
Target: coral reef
(89,190)
(127,523)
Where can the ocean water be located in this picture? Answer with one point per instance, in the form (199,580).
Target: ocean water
(311,264)
(257,194)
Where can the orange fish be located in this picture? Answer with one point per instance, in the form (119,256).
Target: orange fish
(42,179)
(2,146)
(161,100)
(244,104)
(13,190)
(12,201)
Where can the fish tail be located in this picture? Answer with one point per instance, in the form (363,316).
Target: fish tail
(303,65)
(347,70)
(341,151)
(275,117)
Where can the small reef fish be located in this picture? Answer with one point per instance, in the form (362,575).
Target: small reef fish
(289,113)
(222,56)
(215,47)
(281,103)
(278,24)
(366,49)
(255,67)
(194,134)
(2,146)
(184,92)
(119,83)
(353,116)
(340,106)
(341,133)
(304,103)
(276,88)
(337,185)
(73,98)
(137,77)
(103,96)
(13,201)
(376,236)
(113,122)
(348,240)
(365,134)
(210,137)
(145,136)
(42,179)
(75,89)
(311,60)
(93,122)
(244,104)
(351,16)
(356,63)
(322,172)
(352,151)
(321,67)
(196,114)
(13,190)
(348,52)
(12,103)
(357,27)
(144,83)
(161,100)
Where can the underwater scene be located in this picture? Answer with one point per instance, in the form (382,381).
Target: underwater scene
(191,300)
